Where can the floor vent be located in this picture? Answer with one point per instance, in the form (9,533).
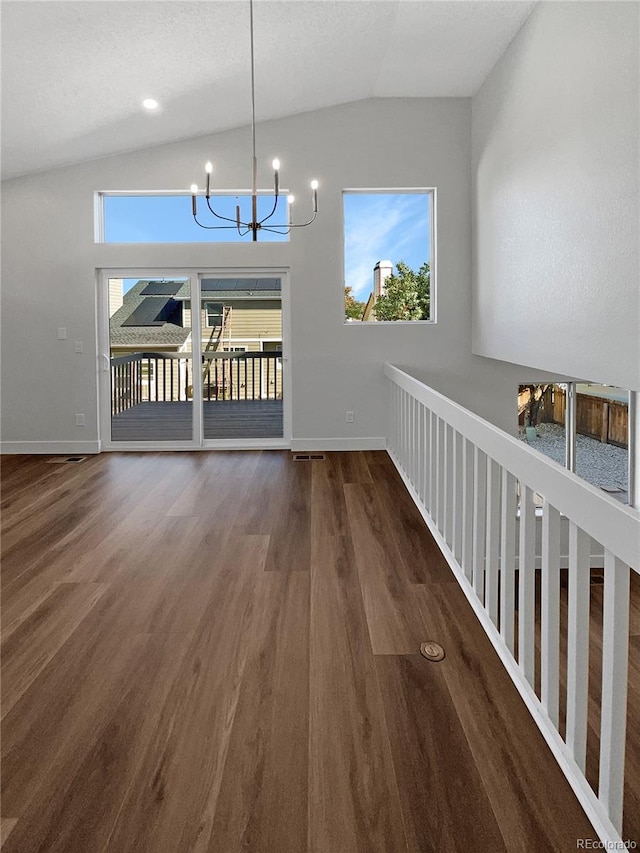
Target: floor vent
(307,457)
(432,651)
(61,459)
(596,580)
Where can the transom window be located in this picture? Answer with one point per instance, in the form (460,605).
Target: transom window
(155,218)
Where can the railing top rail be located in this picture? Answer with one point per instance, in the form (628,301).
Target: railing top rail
(212,356)
(614,525)
(208,356)
(138,356)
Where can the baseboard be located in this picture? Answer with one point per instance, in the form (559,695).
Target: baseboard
(50,448)
(212,444)
(365,443)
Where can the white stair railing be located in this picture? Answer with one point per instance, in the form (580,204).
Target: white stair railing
(476,487)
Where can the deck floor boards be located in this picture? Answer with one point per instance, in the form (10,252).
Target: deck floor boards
(221,419)
(221,656)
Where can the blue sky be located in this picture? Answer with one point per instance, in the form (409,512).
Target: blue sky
(383,226)
(377,226)
(168,219)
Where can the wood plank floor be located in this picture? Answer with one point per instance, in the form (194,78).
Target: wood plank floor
(218,652)
(221,419)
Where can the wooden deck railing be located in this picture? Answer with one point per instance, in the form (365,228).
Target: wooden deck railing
(150,377)
(475,486)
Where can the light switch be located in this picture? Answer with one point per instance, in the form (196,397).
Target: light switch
(78,346)
(62,333)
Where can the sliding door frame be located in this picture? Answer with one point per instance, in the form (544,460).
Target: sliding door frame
(197,441)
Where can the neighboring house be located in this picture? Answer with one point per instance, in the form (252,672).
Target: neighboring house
(149,319)
(236,316)
(381,272)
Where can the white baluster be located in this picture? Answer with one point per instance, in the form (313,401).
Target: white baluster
(458,496)
(578,643)
(428,471)
(441,509)
(526,584)
(615,655)
(467,507)
(449,463)
(493,540)
(508,557)
(479,522)
(550,586)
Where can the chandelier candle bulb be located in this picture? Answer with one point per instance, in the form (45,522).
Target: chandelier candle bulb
(269,222)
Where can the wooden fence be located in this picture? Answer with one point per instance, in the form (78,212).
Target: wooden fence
(597,417)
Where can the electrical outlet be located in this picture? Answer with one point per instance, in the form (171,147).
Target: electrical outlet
(350,417)
(78,346)
(80,420)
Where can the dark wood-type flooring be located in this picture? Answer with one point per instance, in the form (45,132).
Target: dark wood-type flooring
(221,419)
(219,652)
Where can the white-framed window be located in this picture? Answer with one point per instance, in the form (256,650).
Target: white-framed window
(167,217)
(213,312)
(389,255)
(234,349)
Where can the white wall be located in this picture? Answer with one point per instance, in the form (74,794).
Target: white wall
(50,261)
(555,169)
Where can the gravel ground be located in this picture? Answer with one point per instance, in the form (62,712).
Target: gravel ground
(603,465)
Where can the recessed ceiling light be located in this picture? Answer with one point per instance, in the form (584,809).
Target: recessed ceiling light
(150,104)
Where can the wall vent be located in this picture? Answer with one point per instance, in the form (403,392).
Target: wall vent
(62,459)
(307,457)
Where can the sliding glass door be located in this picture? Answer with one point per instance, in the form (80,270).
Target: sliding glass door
(241,334)
(150,360)
(193,360)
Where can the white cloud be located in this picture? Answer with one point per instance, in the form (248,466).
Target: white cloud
(380,227)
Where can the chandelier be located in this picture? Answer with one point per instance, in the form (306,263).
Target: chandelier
(242,224)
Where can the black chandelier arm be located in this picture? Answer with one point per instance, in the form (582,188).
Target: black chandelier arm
(217,227)
(304,224)
(273,209)
(218,215)
(273,230)
(291,225)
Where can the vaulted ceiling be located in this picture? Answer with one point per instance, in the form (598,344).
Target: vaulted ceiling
(74,73)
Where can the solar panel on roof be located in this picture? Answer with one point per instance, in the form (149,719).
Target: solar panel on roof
(150,312)
(251,285)
(161,288)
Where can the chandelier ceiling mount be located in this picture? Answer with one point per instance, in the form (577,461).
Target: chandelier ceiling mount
(241,224)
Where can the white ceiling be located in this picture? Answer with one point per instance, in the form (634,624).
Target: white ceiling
(74,73)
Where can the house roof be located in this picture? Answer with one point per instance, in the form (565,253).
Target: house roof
(225,289)
(150,316)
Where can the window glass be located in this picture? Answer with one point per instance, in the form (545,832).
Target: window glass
(214,313)
(600,455)
(169,219)
(388,255)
